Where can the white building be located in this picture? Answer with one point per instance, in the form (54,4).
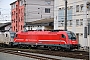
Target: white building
(78,17)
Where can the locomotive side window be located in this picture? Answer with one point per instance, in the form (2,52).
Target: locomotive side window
(6,35)
(63,36)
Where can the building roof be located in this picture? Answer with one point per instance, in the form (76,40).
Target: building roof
(2,25)
(13,2)
(43,22)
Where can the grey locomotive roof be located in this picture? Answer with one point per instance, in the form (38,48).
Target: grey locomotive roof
(4,24)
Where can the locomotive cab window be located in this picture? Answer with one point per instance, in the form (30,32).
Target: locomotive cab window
(63,36)
(71,35)
(16,35)
(12,34)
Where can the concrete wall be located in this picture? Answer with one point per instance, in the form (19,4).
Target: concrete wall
(35,9)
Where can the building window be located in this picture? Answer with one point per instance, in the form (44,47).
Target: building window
(28,27)
(88,20)
(14,20)
(71,7)
(81,7)
(16,24)
(14,28)
(13,6)
(88,6)
(62,24)
(47,10)
(16,7)
(59,8)
(16,16)
(77,22)
(70,22)
(21,27)
(19,19)
(81,21)
(59,24)
(77,8)
(19,11)
(31,28)
(48,2)
(63,8)
(12,13)
(21,2)
(38,8)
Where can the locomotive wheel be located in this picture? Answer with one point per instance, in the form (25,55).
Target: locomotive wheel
(19,46)
(34,46)
(53,48)
(58,48)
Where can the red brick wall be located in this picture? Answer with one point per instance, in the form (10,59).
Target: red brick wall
(17,17)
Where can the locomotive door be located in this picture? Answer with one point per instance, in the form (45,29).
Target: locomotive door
(63,39)
(77,36)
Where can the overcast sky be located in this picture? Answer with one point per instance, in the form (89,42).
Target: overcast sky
(5,10)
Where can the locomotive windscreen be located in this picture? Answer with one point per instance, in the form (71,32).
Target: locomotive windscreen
(12,34)
(71,35)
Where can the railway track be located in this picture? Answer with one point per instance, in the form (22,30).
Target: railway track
(15,52)
(72,54)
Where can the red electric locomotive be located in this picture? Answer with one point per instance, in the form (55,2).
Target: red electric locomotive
(50,39)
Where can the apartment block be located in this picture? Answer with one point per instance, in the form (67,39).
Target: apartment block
(17,15)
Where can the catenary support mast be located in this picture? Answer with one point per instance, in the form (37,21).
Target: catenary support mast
(65,22)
